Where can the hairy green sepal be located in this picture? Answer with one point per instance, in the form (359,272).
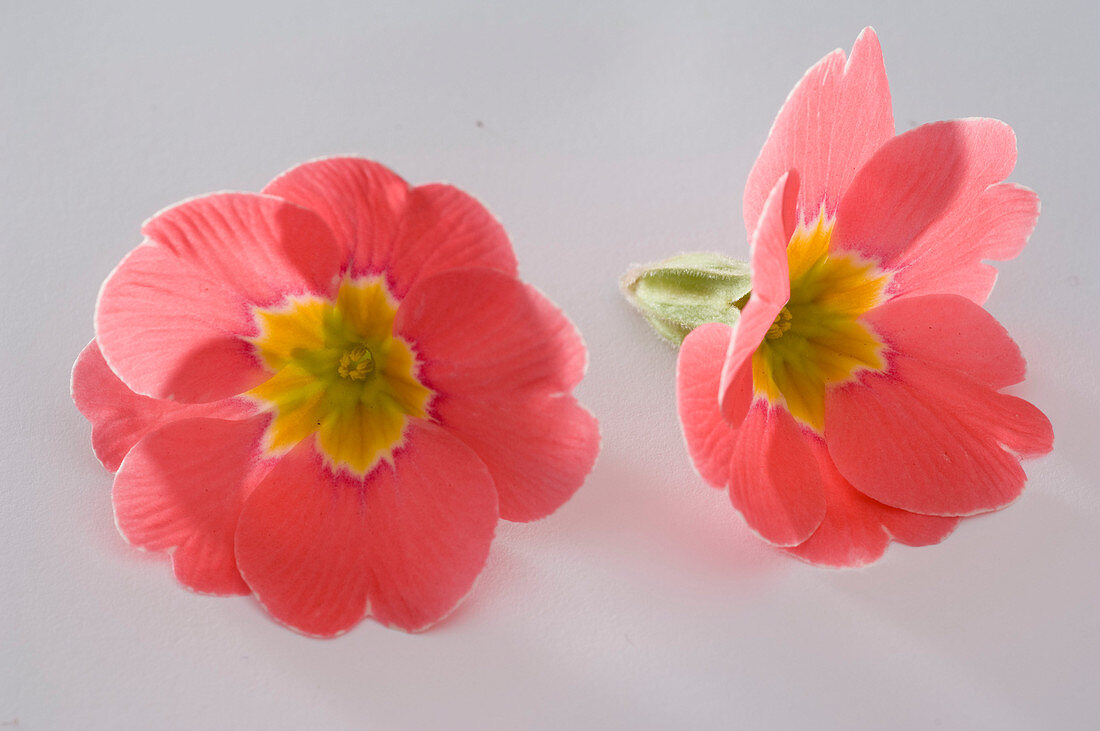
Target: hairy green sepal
(679,294)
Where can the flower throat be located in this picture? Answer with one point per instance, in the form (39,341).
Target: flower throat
(817,339)
(339,373)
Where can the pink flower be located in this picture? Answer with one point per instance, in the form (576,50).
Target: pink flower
(326,394)
(859,397)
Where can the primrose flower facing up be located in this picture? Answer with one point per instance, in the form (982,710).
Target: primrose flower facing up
(327,394)
(858,396)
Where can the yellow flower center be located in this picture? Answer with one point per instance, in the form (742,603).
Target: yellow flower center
(340,374)
(817,340)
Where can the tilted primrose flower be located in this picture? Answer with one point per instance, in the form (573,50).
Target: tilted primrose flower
(326,394)
(858,398)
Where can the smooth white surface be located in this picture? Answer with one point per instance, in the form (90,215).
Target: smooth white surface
(601,136)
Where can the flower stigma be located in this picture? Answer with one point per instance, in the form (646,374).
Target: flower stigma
(781,325)
(339,374)
(356,364)
(817,339)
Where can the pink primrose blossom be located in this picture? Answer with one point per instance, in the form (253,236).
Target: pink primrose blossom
(860,397)
(327,393)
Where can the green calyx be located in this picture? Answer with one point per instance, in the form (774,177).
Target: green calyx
(679,294)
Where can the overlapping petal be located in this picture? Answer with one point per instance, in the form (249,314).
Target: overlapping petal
(538,448)
(401,232)
(181,488)
(503,386)
(172,318)
(921,207)
(361,201)
(856,530)
(521,344)
(771,288)
(775,480)
(261,247)
(931,435)
(445,228)
(168,333)
(120,417)
(837,116)
(951,256)
(403,545)
(708,435)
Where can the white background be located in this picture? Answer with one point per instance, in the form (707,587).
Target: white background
(601,136)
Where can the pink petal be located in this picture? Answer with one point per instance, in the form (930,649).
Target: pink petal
(950,332)
(260,247)
(168,333)
(360,200)
(856,529)
(444,228)
(949,257)
(406,234)
(502,360)
(171,318)
(918,203)
(321,551)
(709,436)
(539,448)
(775,479)
(479,332)
(121,417)
(914,529)
(972,371)
(181,488)
(771,288)
(896,445)
(832,122)
(927,435)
